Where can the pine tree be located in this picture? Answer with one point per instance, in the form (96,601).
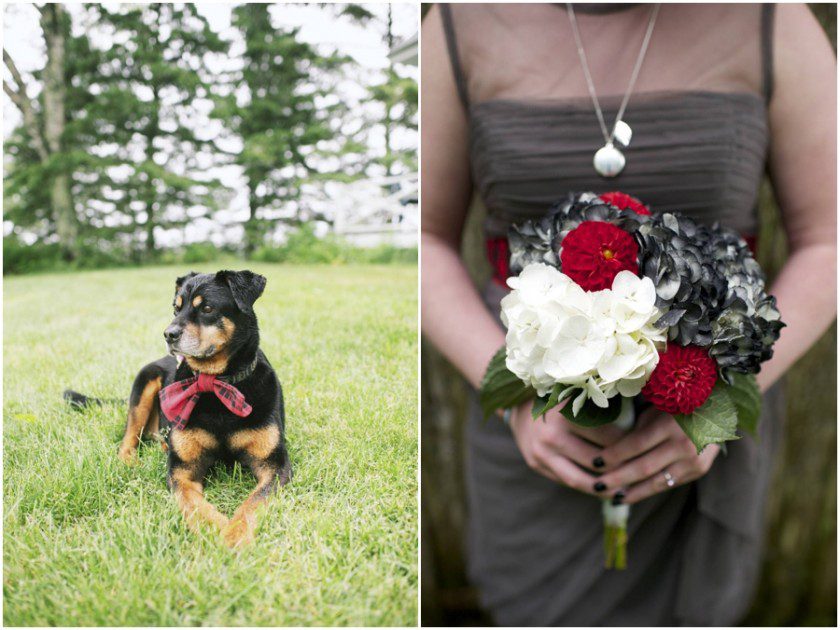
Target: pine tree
(152,79)
(396,95)
(287,117)
(104,153)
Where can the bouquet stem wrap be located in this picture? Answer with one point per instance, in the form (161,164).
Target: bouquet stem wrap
(616,516)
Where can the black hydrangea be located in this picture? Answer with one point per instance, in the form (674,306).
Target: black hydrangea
(539,240)
(673,253)
(712,289)
(749,323)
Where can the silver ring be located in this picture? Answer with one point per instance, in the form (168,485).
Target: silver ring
(669,479)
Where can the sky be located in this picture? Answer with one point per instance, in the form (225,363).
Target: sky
(22,38)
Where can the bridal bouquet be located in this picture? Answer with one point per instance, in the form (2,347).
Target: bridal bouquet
(610,303)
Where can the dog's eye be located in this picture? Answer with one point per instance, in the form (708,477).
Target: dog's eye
(207,309)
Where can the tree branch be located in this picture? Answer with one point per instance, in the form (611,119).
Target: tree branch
(7,59)
(24,104)
(8,89)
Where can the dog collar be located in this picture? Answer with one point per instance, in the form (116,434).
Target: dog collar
(238,377)
(241,375)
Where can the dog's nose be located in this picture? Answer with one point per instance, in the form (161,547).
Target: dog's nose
(172,334)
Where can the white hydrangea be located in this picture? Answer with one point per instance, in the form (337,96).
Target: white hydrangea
(602,341)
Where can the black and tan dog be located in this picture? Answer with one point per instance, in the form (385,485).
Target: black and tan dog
(215,331)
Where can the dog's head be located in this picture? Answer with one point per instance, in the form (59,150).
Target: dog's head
(214,317)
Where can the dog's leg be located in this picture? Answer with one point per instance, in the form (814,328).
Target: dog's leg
(189,493)
(153,427)
(142,413)
(265,453)
(189,460)
(240,530)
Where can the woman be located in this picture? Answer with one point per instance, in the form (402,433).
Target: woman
(723,92)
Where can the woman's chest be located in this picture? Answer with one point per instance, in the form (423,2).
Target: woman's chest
(698,152)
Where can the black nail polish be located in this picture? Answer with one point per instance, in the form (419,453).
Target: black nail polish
(598,462)
(618,498)
(600,486)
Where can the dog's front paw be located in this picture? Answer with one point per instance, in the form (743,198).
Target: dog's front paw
(238,533)
(128,456)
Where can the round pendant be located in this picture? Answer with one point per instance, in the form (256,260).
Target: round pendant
(608,161)
(622,133)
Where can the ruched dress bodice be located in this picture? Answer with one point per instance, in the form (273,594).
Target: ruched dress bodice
(701,153)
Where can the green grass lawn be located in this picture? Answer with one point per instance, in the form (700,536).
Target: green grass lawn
(88,541)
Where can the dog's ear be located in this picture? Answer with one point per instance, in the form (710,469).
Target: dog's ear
(246,287)
(180,281)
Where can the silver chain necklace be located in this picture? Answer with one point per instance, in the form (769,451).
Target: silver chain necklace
(608,160)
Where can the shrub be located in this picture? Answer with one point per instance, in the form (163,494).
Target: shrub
(200,253)
(92,256)
(303,247)
(390,255)
(18,257)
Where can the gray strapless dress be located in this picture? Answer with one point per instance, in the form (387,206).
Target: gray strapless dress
(535,547)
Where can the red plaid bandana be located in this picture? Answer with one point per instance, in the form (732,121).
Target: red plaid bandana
(178,400)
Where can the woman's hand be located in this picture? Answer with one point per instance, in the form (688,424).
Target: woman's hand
(637,463)
(558,450)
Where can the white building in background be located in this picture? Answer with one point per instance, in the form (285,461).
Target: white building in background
(405,51)
(377,211)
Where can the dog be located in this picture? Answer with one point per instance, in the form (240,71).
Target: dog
(222,403)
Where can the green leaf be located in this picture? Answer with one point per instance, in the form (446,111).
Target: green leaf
(545,403)
(715,421)
(501,388)
(591,415)
(541,405)
(746,396)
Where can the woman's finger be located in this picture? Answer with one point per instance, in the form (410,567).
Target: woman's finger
(600,436)
(638,441)
(569,475)
(641,467)
(579,451)
(681,472)
(536,462)
(653,485)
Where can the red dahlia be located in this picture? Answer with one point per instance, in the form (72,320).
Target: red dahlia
(595,252)
(683,379)
(623,201)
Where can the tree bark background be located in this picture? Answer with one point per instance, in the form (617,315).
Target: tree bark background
(54,24)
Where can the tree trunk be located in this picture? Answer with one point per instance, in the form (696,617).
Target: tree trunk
(53,20)
(252,236)
(66,225)
(150,194)
(150,227)
(151,133)
(388,123)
